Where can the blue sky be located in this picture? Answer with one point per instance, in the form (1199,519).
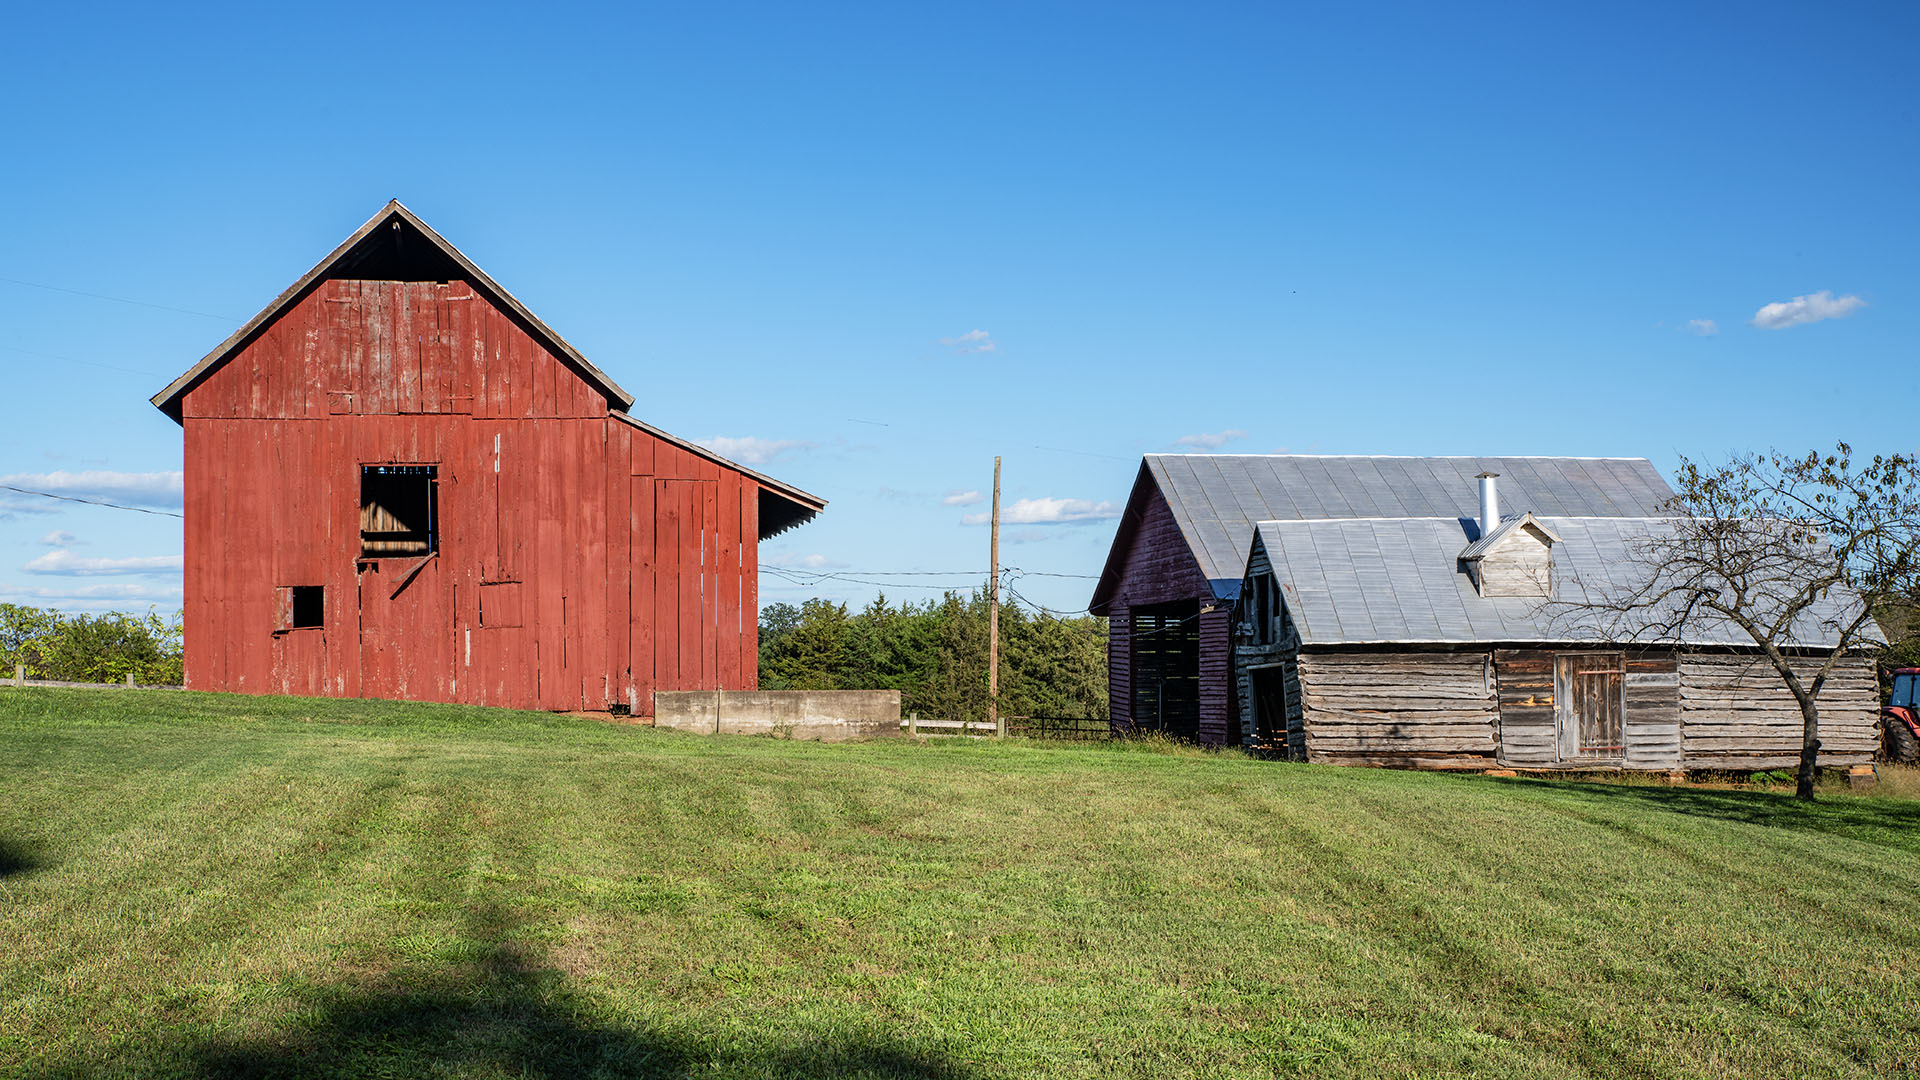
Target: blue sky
(873,248)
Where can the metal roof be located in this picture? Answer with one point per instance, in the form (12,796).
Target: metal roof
(1506,528)
(1398,580)
(1217,498)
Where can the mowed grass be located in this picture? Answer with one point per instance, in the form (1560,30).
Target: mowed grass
(200,885)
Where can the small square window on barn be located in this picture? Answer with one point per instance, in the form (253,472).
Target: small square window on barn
(302,606)
(398,516)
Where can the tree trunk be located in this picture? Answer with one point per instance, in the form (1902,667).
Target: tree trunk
(1809,747)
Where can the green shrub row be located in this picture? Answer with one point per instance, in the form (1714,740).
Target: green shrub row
(90,648)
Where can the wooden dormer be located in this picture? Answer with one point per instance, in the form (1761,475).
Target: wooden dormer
(1515,559)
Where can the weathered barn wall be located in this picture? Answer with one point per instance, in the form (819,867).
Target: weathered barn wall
(827,715)
(1160,568)
(582,563)
(1737,713)
(1436,710)
(1529,726)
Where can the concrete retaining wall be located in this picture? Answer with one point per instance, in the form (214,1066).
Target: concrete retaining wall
(828,715)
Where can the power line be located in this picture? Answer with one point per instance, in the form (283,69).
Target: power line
(91,502)
(77,360)
(120,300)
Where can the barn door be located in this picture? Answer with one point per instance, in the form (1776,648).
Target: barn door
(1590,706)
(406,629)
(1270,708)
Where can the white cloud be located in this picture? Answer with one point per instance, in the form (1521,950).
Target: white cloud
(12,505)
(750,450)
(1050,512)
(815,561)
(66,562)
(1701,327)
(1210,440)
(961,498)
(59,538)
(161,489)
(1801,310)
(100,597)
(971,342)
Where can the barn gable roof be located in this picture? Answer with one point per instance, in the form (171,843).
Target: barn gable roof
(1217,498)
(1397,580)
(393,243)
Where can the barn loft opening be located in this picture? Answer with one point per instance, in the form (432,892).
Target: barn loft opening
(398,516)
(396,251)
(1166,668)
(308,606)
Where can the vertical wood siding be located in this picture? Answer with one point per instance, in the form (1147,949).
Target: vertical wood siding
(1160,568)
(581,562)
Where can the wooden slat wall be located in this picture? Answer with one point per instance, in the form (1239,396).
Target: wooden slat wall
(1529,726)
(1120,669)
(1160,568)
(1653,711)
(1528,735)
(1219,705)
(1416,709)
(1737,713)
(597,589)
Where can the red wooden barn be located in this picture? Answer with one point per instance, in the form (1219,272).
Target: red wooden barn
(401,484)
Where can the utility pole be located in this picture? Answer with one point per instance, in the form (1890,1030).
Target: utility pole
(993,616)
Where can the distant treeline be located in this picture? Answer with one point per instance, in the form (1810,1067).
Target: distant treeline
(90,648)
(935,654)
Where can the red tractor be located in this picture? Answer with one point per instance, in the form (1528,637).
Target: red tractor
(1901,717)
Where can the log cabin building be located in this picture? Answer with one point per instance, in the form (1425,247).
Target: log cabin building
(1386,613)
(400,483)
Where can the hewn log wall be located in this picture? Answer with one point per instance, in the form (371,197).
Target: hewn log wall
(1736,712)
(1435,710)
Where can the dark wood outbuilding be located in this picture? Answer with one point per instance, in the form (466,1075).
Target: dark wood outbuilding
(1179,556)
(402,484)
(1456,644)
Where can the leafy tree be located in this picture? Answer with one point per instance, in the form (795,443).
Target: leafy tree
(776,622)
(935,654)
(90,648)
(1789,549)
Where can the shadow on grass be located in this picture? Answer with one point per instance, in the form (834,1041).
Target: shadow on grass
(1889,822)
(15,858)
(498,1016)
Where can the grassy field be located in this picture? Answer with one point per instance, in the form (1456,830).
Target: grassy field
(197,885)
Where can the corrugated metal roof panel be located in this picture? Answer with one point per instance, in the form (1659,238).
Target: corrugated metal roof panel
(1399,580)
(1216,498)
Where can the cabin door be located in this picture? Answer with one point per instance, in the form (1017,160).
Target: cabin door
(1590,707)
(1270,707)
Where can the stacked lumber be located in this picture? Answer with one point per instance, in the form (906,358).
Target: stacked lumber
(1434,710)
(1736,712)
